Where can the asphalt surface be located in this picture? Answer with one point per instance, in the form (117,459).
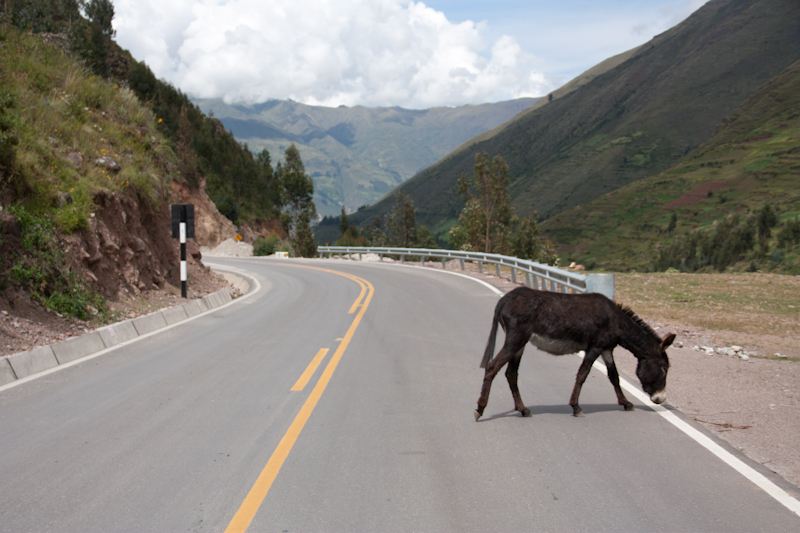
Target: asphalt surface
(198,428)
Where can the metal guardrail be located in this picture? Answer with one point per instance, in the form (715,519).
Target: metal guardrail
(537,275)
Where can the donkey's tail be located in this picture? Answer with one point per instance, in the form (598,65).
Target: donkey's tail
(489,352)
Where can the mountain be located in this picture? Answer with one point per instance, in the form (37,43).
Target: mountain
(752,161)
(630,122)
(357,154)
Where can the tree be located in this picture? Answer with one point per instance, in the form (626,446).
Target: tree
(766,220)
(187,161)
(101,13)
(298,195)
(55,16)
(488,223)
(344,224)
(298,188)
(375,234)
(673,221)
(270,181)
(303,241)
(401,226)
(485,222)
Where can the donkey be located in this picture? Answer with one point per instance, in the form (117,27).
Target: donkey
(566,323)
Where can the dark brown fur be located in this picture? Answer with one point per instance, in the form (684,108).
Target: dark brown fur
(589,322)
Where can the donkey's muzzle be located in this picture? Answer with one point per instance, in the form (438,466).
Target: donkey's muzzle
(658,397)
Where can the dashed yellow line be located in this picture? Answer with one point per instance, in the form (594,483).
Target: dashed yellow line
(258,492)
(312,367)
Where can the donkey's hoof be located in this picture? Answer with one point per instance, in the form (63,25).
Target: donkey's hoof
(526,412)
(477,415)
(629,407)
(577,411)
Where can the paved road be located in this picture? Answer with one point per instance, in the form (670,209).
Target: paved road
(198,428)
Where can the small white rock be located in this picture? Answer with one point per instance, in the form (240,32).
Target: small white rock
(744,357)
(736,349)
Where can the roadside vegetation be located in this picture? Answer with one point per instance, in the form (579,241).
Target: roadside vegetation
(79,117)
(487,223)
(731,205)
(758,311)
(64,132)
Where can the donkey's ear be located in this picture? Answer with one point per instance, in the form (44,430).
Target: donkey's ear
(667,340)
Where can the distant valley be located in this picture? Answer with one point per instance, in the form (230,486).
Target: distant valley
(357,155)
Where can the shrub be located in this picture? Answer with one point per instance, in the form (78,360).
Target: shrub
(266,246)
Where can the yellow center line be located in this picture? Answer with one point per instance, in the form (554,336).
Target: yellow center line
(258,492)
(312,367)
(360,296)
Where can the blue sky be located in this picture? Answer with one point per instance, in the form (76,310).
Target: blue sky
(384,52)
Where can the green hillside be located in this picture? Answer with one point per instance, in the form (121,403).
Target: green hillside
(86,132)
(753,161)
(234,178)
(631,122)
(357,154)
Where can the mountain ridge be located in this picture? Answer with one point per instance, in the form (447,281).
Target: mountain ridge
(357,154)
(630,122)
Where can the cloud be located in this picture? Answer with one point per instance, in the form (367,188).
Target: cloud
(325,52)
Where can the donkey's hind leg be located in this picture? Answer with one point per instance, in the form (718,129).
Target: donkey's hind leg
(613,376)
(507,353)
(511,375)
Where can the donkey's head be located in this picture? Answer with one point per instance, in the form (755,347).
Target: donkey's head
(652,371)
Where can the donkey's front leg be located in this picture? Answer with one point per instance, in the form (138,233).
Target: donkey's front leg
(613,376)
(583,372)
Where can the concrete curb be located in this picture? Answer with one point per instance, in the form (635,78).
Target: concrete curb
(25,364)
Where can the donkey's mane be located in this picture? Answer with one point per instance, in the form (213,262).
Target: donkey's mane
(638,321)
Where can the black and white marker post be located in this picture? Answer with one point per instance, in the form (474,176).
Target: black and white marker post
(183,228)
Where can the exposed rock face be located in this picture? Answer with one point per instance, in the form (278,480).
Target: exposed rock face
(261,229)
(127,249)
(210,226)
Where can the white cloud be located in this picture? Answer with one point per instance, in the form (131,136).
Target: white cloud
(326,52)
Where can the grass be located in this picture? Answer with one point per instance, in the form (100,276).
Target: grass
(63,119)
(62,109)
(753,160)
(764,305)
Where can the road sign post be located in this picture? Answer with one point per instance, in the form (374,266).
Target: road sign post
(183,228)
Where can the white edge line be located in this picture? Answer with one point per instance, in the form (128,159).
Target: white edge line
(57,368)
(737,464)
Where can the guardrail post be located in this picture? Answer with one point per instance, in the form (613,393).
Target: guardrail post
(402,258)
(444,261)
(513,274)
(462,264)
(497,270)
(601,283)
(480,267)
(381,257)
(422,260)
